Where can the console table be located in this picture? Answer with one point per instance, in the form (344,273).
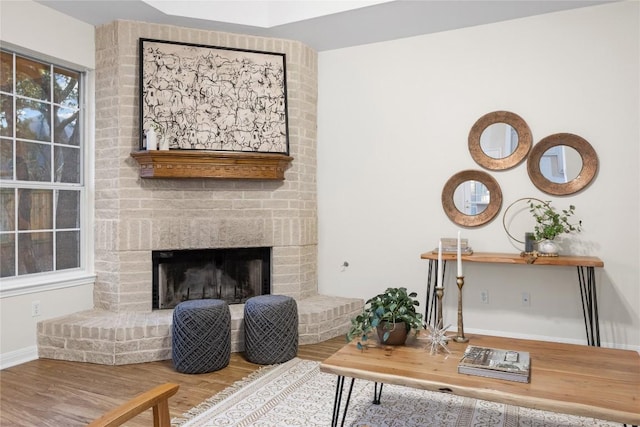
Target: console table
(586,280)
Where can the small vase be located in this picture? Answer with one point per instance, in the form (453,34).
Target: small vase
(397,335)
(548,247)
(152,141)
(164,144)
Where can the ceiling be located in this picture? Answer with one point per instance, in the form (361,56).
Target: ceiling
(321,24)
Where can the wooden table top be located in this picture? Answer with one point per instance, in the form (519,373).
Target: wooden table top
(509,258)
(573,379)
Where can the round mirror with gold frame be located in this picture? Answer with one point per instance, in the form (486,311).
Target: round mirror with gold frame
(562,164)
(499,140)
(471,198)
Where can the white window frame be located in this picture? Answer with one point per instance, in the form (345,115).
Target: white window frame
(85,274)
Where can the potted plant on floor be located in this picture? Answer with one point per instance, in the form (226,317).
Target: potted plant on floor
(392,314)
(550,224)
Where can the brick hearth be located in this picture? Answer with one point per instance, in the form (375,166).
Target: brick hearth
(105,337)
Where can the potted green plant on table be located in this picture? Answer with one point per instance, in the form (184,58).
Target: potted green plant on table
(551,223)
(392,314)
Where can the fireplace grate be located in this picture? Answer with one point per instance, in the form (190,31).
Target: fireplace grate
(230,274)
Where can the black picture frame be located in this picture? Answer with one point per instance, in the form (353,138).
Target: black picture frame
(200,97)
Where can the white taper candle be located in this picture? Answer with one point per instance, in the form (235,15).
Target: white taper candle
(439,278)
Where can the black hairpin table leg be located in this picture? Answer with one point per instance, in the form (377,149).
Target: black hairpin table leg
(589,304)
(337,402)
(377,393)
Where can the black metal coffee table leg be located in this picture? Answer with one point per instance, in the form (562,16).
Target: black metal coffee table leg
(377,393)
(338,401)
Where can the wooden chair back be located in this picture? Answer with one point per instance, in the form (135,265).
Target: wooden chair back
(156,398)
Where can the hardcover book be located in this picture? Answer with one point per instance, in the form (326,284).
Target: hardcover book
(496,363)
(452,242)
(464,250)
(450,246)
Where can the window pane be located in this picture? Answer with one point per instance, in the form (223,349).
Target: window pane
(67,249)
(41,124)
(66,87)
(67,164)
(6,115)
(35,252)
(7,209)
(33,79)
(33,161)
(68,209)
(32,119)
(6,159)
(66,130)
(35,209)
(6,72)
(8,254)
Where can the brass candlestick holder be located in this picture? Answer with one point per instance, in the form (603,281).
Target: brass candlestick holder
(439,293)
(460,337)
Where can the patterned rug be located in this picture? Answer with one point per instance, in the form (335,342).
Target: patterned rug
(297,394)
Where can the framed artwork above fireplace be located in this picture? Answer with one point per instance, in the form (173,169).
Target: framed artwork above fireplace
(198,97)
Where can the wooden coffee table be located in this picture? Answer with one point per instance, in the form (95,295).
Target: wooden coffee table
(572,379)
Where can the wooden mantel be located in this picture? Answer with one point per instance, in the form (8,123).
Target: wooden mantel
(211,164)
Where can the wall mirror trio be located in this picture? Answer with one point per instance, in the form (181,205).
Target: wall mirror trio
(560,164)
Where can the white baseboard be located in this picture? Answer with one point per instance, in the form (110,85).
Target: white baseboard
(18,357)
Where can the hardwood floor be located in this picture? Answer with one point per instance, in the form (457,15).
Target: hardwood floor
(57,393)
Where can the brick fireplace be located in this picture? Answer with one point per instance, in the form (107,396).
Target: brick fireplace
(136,216)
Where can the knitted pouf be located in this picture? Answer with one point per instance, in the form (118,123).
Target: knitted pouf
(270,329)
(201,340)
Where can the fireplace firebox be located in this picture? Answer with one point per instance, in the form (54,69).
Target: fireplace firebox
(231,274)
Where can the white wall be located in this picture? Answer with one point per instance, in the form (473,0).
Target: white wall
(33,28)
(394,118)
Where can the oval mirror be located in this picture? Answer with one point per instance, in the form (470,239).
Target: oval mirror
(562,164)
(471,198)
(499,140)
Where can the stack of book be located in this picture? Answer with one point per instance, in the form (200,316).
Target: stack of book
(450,246)
(496,363)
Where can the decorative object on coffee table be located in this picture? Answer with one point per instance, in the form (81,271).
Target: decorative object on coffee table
(270,329)
(489,362)
(436,338)
(385,312)
(201,336)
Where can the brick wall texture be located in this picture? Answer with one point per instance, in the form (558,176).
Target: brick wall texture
(135,216)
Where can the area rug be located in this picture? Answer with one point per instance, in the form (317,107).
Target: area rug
(297,394)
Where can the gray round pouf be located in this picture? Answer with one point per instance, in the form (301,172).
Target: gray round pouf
(201,336)
(270,329)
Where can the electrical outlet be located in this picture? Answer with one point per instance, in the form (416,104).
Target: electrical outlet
(484,297)
(35,308)
(526,299)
